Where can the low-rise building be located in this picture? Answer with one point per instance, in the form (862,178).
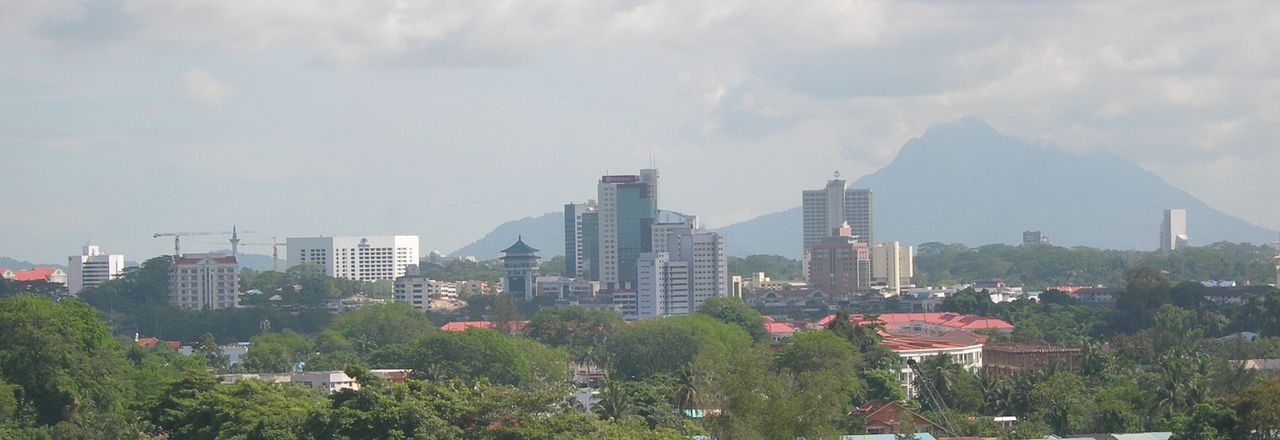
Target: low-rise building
(327,381)
(1012,358)
(419,291)
(46,274)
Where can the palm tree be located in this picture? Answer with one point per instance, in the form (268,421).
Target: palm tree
(686,389)
(997,393)
(615,401)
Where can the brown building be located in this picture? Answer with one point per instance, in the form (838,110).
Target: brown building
(1011,358)
(840,264)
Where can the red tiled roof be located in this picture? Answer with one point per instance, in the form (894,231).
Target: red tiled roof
(457,326)
(778,327)
(946,319)
(36,274)
(952,339)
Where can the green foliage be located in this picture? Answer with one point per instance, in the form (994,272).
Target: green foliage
(1038,267)
(471,355)
(580,331)
(653,346)
(462,270)
(277,352)
(773,266)
(64,361)
(734,311)
(1059,402)
(372,327)
(198,408)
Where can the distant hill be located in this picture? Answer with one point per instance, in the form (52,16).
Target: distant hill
(254,261)
(770,234)
(963,182)
(13,264)
(544,232)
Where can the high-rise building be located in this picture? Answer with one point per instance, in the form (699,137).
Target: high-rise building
(892,265)
(1030,238)
(581,240)
(669,226)
(840,264)
(829,208)
(693,269)
(627,206)
(91,268)
(1173,230)
(368,258)
(662,285)
(204,282)
(520,270)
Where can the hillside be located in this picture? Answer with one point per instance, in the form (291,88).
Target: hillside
(544,232)
(963,182)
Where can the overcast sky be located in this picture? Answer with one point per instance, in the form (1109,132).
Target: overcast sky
(122,118)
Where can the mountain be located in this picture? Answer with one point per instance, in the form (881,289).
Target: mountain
(545,232)
(770,234)
(14,264)
(963,182)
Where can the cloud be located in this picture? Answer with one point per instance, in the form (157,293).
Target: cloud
(202,89)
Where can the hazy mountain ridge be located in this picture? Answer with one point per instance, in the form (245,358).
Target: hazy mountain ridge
(544,232)
(964,182)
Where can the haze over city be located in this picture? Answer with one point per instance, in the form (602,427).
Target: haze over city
(119,119)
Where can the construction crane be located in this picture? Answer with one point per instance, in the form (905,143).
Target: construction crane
(933,395)
(177,238)
(275,251)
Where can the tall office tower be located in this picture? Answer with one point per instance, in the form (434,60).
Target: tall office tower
(520,270)
(91,268)
(359,258)
(204,282)
(669,226)
(1173,230)
(829,208)
(892,265)
(627,206)
(1030,238)
(840,264)
(581,235)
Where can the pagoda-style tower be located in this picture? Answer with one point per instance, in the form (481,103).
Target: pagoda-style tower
(520,270)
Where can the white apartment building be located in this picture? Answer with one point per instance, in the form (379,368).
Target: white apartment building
(692,270)
(204,282)
(662,286)
(91,268)
(418,290)
(365,258)
(892,266)
(670,226)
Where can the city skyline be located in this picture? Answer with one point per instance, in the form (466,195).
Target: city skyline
(194,116)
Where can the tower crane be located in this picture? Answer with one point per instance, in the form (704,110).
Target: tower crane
(275,251)
(933,394)
(177,237)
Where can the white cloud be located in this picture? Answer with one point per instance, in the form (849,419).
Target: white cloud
(202,89)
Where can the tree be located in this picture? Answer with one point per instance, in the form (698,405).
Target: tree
(1146,289)
(372,327)
(277,352)
(208,347)
(471,355)
(734,311)
(654,346)
(1258,412)
(1059,403)
(197,408)
(581,331)
(62,358)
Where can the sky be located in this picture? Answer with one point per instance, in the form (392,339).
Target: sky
(123,118)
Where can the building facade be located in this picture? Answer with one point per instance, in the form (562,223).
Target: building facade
(829,208)
(365,258)
(418,291)
(520,270)
(892,266)
(693,269)
(662,286)
(91,268)
(1173,230)
(627,206)
(669,226)
(840,264)
(204,282)
(1030,238)
(581,240)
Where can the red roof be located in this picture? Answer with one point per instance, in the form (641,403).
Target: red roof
(457,326)
(952,339)
(946,319)
(774,327)
(36,274)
